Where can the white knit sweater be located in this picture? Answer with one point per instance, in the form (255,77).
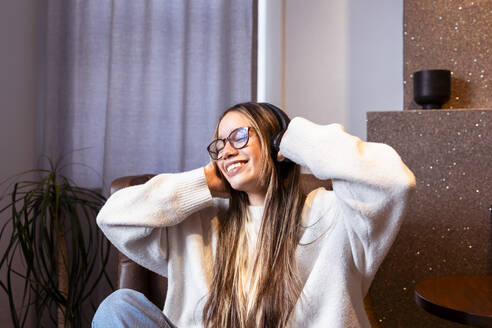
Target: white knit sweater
(168,225)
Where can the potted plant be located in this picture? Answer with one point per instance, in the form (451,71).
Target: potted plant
(51,227)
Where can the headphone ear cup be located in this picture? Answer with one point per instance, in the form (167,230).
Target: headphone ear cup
(275,148)
(283,120)
(275,145)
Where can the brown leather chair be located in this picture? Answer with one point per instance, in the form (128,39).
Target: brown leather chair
(130,274)
(154,286)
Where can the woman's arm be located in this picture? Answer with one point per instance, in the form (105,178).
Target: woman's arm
(370,182)
(134,219)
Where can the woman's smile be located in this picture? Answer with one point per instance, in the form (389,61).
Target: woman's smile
(234,167)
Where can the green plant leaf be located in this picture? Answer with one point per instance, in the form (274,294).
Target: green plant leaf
(40,212)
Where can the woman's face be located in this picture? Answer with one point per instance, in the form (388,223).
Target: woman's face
(241,167)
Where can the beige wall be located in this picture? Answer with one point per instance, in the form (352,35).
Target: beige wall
(18,53)
(316,60)
(305,58)
(332,61)
(376,60)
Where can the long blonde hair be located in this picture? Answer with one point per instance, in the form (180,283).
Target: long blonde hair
(275,285)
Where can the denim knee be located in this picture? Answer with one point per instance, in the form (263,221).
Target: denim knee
(114,305)
(119,298)
(128,308)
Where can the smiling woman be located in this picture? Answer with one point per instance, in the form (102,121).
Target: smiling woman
(254,176)
(243,246)
(241,166)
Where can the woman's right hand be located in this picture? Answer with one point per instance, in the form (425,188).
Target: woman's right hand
(215,183)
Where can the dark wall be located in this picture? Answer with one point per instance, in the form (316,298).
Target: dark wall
(447,230)
(452,35)
(19,22)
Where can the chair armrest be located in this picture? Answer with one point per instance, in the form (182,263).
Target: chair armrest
(130,274)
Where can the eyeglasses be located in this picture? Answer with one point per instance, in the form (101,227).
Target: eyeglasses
(238,139)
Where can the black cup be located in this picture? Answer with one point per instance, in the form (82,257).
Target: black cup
(432,88)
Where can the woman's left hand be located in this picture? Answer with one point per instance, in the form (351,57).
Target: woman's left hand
(280,157)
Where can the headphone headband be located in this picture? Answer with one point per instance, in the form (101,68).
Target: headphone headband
(281,116)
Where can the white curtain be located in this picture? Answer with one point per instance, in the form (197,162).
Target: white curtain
(131,87)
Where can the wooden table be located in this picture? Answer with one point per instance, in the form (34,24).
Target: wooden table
(465,299)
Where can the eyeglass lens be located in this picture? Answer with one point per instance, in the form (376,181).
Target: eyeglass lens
(238,138)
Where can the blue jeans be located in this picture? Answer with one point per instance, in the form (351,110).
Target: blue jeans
(129,308)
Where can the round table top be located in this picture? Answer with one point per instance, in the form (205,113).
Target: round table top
(465,299)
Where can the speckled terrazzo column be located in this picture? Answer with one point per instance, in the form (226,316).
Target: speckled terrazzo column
(448,229)
(453,35)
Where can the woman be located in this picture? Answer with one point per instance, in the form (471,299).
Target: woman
(240,243)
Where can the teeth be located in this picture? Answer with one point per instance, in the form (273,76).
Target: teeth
(233,166)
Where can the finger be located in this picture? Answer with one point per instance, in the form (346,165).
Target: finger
(280,157)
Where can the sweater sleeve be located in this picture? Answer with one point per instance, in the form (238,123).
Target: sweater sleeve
(135,218)
(371,184)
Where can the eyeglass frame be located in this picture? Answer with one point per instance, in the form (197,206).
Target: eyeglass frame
(215,155)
